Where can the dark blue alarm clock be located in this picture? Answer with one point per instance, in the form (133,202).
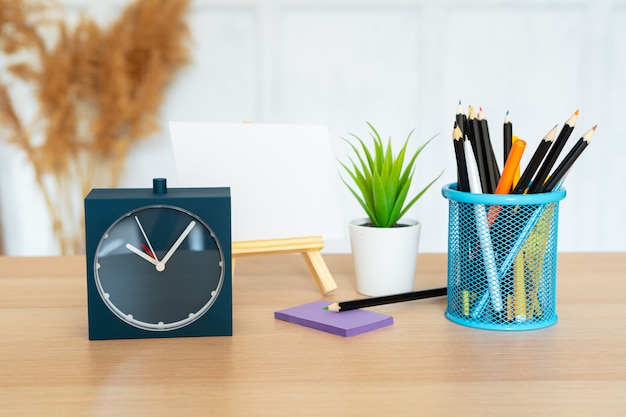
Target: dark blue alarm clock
(158,262)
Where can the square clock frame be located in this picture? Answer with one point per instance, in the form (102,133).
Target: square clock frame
(159,262)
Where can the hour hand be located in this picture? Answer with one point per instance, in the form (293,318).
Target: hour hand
(141,253)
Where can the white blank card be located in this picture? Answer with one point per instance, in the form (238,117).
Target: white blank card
(283,178)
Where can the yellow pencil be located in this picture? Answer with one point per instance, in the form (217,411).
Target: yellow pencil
(519,288)
(466,303)
(536,254)
(509,307)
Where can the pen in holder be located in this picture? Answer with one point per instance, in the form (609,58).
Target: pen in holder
(502,251)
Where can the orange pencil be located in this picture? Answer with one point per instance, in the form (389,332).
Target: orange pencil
(518,172)
(508,174)
(510,167)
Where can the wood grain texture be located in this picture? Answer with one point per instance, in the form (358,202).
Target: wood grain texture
(422,365)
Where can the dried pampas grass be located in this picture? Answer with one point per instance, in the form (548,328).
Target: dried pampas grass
(98,92)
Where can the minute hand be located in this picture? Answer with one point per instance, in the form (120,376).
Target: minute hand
(168,255)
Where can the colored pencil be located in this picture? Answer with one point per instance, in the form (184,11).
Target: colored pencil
(506,180)
(517,172)
(473,133)
(511,165)
(535,251)
(568,161)
(463,181)
(507,135)
(472,168)
(484,235)
(461,119)
(519,288)
(481,303)
(387,299)
(535,161)
(493,171)
(553,154)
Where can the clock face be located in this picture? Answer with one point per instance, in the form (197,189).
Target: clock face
(159,268)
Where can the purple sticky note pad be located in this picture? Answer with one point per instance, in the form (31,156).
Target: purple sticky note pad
(347,323)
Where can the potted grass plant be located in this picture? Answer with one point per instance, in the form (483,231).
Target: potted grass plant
(385,243)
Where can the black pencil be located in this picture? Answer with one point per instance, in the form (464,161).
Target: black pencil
(474,138)
(461,164)
(461,121)
(568,161)
(555,150)
(507,135)
(461,118)
(536,159)
(493,171)
(387,299)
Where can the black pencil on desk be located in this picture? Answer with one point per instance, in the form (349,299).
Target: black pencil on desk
(568,161)
(553,154)
(536,159)
(507,136)
(459,152)
(387,299)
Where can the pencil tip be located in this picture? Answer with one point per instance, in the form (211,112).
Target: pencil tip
(551,134)
(587,136)
(456,132)
(459,102)
(333,307)
(571,122)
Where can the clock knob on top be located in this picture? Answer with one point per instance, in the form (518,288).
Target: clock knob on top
(159,186)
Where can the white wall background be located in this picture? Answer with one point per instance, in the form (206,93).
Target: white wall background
(400,64)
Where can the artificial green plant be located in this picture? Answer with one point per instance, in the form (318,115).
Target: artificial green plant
(382,181)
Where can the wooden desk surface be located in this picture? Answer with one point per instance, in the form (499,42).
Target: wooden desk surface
(422,365)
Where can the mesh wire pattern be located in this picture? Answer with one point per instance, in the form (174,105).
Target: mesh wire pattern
(502,253)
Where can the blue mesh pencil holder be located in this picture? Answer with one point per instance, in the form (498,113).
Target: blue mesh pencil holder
(502,251)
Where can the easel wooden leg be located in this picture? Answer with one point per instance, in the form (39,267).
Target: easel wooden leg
(309,247)
(320,271)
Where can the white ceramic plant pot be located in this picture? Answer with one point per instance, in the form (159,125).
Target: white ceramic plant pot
(384,258)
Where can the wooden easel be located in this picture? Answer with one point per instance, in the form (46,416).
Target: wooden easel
(310,248)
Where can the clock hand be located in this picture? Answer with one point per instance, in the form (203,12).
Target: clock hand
(146,238)
(141,253)
(160,266)
(147,250)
